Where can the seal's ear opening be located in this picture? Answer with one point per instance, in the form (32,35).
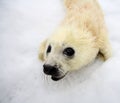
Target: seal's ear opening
(42,50)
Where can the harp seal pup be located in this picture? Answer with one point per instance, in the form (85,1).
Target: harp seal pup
(78,40)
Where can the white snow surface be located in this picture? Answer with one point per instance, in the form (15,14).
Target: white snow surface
(23,25)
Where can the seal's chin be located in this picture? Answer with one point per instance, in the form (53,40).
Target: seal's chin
(56,78)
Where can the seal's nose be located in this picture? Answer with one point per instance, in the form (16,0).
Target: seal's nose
(50,70)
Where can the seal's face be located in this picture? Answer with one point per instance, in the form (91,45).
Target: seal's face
(65,51)
(58,60)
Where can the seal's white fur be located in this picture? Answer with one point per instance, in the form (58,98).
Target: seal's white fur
(83,28)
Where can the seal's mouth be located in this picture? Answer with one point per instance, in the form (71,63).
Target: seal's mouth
(56,78)
(55,73)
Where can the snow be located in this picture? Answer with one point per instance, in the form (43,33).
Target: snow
(23,25)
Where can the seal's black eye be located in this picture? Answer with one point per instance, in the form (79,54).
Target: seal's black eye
(49,49)
(69,51)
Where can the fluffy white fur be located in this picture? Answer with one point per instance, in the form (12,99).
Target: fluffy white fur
(83,29)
